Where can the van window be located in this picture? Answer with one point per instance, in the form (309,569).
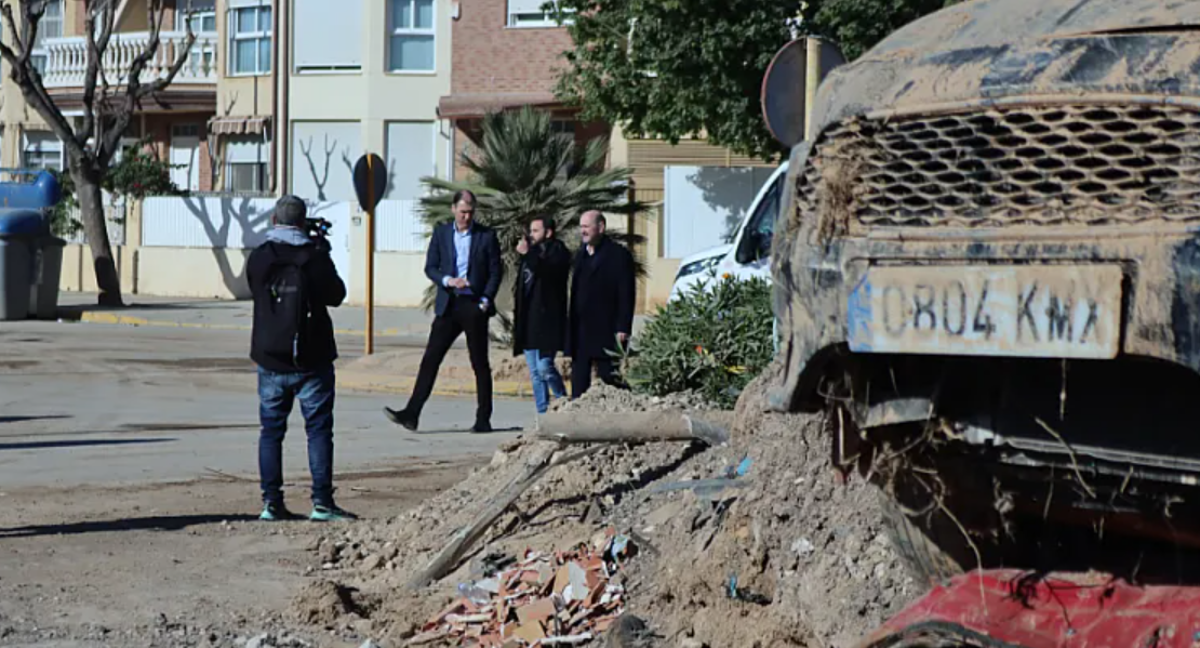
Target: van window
(760,229)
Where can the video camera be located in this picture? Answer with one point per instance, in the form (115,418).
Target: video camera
(317,227)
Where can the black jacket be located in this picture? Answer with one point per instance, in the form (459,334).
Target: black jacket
(603,292)
(484,271)
(325,289)
(541,299)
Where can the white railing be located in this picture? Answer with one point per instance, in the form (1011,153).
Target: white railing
(66,59)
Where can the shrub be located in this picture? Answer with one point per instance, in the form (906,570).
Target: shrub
(714,340)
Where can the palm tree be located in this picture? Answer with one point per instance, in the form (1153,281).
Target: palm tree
(524,168)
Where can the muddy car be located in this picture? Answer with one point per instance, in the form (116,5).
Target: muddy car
(988,275)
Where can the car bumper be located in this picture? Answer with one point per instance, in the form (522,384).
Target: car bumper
(1159,269)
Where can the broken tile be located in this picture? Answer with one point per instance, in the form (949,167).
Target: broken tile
(539,611)
(530,632)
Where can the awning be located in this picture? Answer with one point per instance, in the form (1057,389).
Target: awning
(477,104)
(238,125)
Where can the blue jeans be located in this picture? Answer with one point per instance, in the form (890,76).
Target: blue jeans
(545,378)
(276,393)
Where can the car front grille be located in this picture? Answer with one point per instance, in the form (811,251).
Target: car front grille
(1092,165)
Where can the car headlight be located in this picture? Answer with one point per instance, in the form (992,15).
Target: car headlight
(696,267)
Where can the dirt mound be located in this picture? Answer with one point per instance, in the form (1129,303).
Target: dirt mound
(759,533)
(325,603)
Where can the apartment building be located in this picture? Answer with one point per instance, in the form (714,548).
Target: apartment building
(365,75)
(176,124)
(506,54)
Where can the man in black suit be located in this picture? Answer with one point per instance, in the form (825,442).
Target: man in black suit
(464,263)
(540,325)
(603,292)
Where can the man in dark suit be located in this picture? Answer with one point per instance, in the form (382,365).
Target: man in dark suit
(603,292)
(540,325)
(464,263)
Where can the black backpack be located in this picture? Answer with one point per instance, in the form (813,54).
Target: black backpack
(285,336)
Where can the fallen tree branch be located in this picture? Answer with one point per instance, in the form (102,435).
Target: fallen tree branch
(629,427)
(445,561)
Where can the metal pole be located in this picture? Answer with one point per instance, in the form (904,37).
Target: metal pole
(812,80)
(370,306)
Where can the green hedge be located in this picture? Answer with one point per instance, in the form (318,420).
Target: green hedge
(714,340)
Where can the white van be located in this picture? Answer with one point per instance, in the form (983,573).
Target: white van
(750,253)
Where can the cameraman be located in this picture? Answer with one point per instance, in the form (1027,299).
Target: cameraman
(293,281)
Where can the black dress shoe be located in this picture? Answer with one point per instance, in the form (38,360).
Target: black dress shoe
(481,427)
(403,417)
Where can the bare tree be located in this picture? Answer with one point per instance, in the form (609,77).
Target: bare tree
(108,109)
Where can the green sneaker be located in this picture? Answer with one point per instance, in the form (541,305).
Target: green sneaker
(330,513)
(277,513)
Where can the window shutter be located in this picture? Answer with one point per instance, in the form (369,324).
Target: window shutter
(329,35)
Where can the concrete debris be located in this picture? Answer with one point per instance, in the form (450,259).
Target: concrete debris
(565,599)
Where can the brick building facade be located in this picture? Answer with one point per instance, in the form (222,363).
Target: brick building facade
(503,60)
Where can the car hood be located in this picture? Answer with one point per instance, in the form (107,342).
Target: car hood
(990,52)
(718,251)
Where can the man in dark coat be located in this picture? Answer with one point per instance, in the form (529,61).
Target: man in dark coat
(294,282)
(464,263)
(603,292)
(540,325)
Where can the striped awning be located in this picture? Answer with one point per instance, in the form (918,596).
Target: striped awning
(474,105)
(238,125)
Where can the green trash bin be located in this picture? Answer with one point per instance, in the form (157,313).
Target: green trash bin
(21,231)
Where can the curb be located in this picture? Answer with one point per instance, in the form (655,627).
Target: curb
(128,320)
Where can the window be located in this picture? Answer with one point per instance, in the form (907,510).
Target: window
(412,151)
(760,229)
(563,126)
(328,36)
(51,26)
(42,151)
(529,13)
(250,38)
(200,15)
(247,163)
(412,42)
(322,159)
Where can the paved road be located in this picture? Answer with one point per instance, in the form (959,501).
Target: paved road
(94,404)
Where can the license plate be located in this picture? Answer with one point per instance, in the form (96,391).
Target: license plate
(1047,311)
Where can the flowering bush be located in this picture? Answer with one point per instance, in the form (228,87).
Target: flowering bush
(714,339)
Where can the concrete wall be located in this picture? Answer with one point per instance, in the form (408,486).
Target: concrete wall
(79,275)
(192,272)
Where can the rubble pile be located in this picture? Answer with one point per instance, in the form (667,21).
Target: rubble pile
(757,543)
(568,598)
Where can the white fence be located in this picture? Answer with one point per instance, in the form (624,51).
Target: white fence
(224,223)
(114,220)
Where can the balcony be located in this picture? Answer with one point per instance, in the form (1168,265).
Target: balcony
(66,59)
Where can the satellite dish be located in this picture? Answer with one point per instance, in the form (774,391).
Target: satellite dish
(785,87)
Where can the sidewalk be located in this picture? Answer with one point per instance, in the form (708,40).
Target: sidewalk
(182,312)
(401,335)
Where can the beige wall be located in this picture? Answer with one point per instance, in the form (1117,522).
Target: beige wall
(375,96)
(239,96)
(78,274)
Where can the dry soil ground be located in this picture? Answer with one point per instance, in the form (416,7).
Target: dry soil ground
(128,487)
